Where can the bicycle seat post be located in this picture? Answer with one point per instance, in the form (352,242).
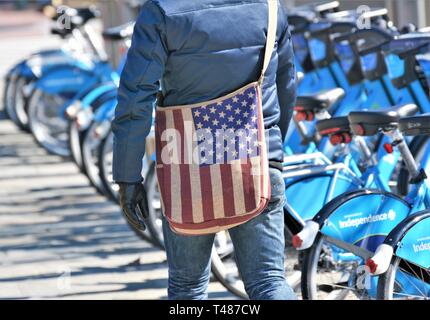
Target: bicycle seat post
(408,158)
(368,157)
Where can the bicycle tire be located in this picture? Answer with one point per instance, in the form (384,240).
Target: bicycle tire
(8,94)
(56,147)
(220,276)
(113,195)
(91,143)
(154,221)
(308,264)
(414,278)
(385,281)
(10,99)
(105,176)
(75,145)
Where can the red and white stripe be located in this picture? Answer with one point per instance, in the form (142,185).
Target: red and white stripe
(206,199)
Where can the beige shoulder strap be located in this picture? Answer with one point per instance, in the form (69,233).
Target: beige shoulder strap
(271,35)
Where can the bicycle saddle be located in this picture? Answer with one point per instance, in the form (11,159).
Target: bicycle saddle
(337,128)
(333,125)
(368,123)
(307,105)
(121,32)
(415,126)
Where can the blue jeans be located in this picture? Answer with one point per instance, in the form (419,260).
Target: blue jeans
(259,251)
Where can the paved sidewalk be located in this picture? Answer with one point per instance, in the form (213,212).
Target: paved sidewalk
(58,238)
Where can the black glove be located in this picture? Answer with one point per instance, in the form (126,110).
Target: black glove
(134,204)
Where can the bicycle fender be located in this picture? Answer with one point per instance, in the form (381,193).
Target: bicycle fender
(411,239)
(99,93)
(363,218)
(309,194)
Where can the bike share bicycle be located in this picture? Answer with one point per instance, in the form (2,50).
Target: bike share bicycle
(75,51)
(230,276)
(360,220)
(397,95)
(293,274)
(403,260)
(60,87)
(88,116)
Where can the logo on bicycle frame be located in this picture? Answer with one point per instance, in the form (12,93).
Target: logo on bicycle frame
(356,222)
(423,245)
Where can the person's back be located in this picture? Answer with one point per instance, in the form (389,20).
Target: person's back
(201,50)
(210,40)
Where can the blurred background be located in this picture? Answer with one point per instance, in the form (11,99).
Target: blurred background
(116,12)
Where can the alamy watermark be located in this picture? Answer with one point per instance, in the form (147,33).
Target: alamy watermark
(363,281)
(64,20)
(205,146)
(363,21)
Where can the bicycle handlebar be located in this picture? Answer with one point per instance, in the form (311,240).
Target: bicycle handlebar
(405,52)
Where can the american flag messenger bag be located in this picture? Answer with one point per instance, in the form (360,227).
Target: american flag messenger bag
(211,157)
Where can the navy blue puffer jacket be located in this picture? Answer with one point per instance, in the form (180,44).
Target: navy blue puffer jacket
(199,50)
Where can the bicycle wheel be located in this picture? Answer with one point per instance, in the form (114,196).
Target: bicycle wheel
(223,265)
(90,158)
(20,103)
(404,281)
(15,102)
(48,126)
(328,272)
(408,275)
(105,166)
(225,269)
(75,145)
(8,94)
(353,225)
(155,224)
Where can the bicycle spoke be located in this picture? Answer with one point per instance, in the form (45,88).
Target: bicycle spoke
(411,282)
(408,295)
